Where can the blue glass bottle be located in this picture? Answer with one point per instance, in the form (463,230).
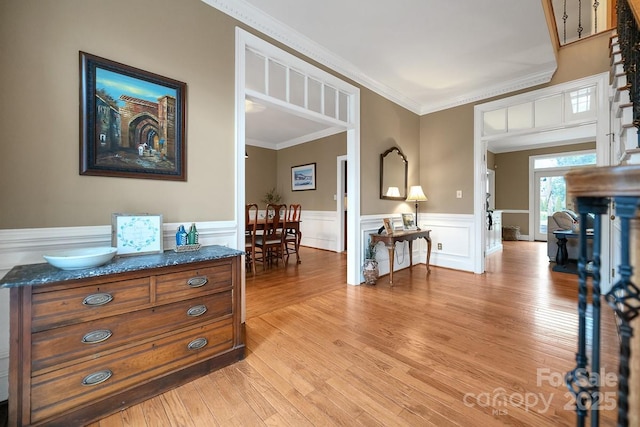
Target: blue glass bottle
(181,236)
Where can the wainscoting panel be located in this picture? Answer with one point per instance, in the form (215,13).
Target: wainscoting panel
(455,232)
(319,229)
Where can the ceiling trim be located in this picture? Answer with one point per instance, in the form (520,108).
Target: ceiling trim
(296,141)
(525,82)
(257,19)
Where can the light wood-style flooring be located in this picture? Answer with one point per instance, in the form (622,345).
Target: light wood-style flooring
(456,349)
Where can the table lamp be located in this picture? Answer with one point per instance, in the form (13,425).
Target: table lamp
(416,195)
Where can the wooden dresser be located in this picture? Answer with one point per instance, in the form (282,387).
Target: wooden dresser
(85,347)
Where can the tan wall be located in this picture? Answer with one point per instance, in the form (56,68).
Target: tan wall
(323,153)
(260,173)
(446,137)
(491,157)
(512,180)
(446,160)
(585,58)
(187,41)
(194,43)
(385,125)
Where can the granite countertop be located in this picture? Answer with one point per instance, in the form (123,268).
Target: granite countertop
(40,274)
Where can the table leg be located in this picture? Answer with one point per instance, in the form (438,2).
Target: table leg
(562,255)
(391,249)
(410,255)
(298,240)
(428,254)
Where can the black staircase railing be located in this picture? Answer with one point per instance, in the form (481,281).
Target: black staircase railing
(629,41)
(579,19)
(594,189)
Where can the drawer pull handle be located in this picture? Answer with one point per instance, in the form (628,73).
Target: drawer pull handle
(196,282)
(197,344)
(97,336)
(197,310)
(97,377)
(94,300)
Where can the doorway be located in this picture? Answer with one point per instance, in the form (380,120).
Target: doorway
(551,119)
(316,87)
(550,195)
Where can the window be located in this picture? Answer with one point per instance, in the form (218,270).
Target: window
(565,160)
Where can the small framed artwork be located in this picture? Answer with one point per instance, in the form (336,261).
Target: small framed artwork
(388,225)
(136,234)
(132,122)
(303,177)
(408,222)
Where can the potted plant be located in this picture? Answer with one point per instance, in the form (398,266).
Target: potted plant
(370,267)
(272,196)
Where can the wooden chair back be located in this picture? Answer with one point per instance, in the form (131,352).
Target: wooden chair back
(251,228)
(293,213)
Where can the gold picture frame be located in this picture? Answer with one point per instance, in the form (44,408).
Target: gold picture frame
(388,225)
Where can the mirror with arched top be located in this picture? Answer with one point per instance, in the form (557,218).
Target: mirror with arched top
(393,174)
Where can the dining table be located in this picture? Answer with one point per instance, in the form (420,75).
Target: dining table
(291,225)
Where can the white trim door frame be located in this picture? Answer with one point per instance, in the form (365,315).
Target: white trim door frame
(245,39)
(603,152)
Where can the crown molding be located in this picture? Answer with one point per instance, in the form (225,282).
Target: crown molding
(260,21)
(513,85)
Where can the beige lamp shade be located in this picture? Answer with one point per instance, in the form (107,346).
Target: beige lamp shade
(416,194)
(393,192)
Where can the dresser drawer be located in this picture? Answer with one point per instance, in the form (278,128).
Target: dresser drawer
(189,283)
(124,369)
(70,344)
(65,306)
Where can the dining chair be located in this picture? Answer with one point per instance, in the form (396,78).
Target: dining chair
(251,228)
(292,235)
(270,244)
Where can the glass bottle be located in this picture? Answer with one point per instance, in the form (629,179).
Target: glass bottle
(181,236)
(192,237)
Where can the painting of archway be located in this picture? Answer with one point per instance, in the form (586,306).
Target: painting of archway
(132,122)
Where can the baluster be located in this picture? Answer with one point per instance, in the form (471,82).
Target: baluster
(592,187)
(624,298)
(584,383)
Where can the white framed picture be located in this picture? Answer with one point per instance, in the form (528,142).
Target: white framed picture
(136,234)
(408,222)
(303,177)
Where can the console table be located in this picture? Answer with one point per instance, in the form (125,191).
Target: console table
(390,241)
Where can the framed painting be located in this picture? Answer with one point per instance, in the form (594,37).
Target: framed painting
(408,222)
(388,225)
(132,122)
(136,234)
(303,177)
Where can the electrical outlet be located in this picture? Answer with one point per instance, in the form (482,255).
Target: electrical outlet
(439,246)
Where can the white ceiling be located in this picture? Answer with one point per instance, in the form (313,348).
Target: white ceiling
(425,55)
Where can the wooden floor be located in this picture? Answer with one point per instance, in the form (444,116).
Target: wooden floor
(456,349)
